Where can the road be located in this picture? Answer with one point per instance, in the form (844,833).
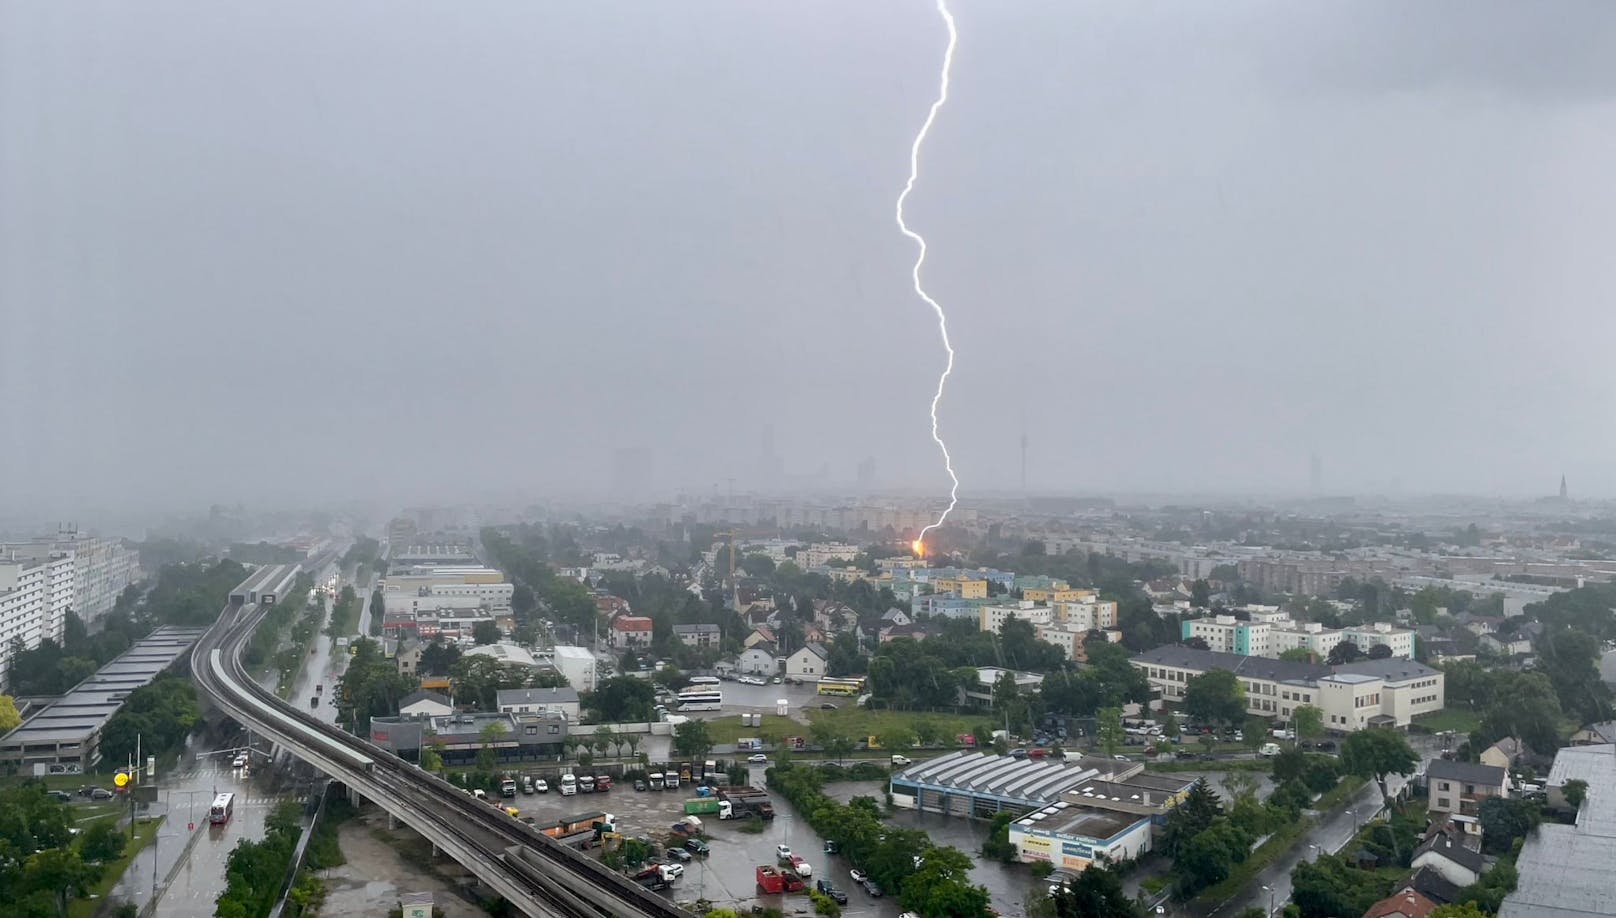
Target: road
(195,852)
(1329,836)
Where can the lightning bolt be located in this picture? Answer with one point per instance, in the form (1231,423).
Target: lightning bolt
(920,260)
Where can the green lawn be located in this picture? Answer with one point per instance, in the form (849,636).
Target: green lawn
(862,722)
(145,831)
(1455,719)
(729,729)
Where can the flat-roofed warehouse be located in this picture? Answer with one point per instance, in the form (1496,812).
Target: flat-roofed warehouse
(969,783)
(67,733)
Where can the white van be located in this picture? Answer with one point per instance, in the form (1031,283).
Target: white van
(569,785)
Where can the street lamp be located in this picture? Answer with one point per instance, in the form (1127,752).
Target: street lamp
(1270,891)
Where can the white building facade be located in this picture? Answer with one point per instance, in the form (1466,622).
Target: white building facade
(35,595)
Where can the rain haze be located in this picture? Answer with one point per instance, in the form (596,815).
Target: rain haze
(307,251)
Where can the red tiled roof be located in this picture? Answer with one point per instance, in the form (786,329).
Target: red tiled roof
(1407,903)
(631,623)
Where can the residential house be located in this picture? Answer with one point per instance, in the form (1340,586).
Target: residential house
(421,703)
(1460,787)
(1434,886)
(609,605)
(703,635)
(1505,645)
(832,617)
(762,634)
(1405,903)
(1443,650)
(759,660)
(1504,753)
(562,701)
(809,662)
(408,657)
(895,616)
(1453,861)
(758,615)
(914,631)
(630,631)
(1595,734)
(1482,624)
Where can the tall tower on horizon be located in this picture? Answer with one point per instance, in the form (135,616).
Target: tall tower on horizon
(1562,486)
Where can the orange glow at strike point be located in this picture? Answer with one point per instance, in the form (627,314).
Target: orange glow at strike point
(919,547)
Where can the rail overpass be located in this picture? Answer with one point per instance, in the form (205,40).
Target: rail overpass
(533,872)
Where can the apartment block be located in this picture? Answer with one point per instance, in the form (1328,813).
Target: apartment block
(992,618)
(35,595)
(1274,635)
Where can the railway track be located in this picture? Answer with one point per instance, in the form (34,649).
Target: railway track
(532,871)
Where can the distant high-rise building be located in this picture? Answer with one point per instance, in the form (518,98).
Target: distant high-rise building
(866,472)
(1316,474)
(771,468)
(1563,495)
(631,473)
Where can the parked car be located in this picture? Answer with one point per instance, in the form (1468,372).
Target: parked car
(679,854)
(697,846)
(100,793)
(60,796)
(858,875)
(541,786)
(827,706)
(639,784)
(871,887)
(782,852)
(828,888)
(757,758)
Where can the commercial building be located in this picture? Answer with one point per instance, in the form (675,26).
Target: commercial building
(447,601)
(1351,696)
(66,735)
(563,701)
(1565,871)
(459,737)
(969,783)
(576,663)
(1099,821)
(35,595)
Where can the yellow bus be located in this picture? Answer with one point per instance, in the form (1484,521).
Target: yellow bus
(851,686)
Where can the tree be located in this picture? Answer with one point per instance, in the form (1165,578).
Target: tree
(1344,652)
(1095,893)
(10,719)
(1200,594)
(1503,821)
(102,842)
(1376,753)
(1199,809)
(61,870)
(1380,652)
(897,738)
(485,632)
(1108,729)
(1575,790)
(431,759)
(491,735)
(1459,910)
(623,699)
(1297,655)
(1208,858)
(693,739)
(1307,722)
(605,739)
(1216,696)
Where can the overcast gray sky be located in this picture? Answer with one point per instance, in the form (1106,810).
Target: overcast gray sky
(308,250)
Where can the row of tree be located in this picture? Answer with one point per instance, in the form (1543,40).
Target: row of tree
(257,870)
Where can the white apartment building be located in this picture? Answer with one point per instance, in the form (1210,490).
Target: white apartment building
(35,594)
(992,618)
(1351,697)
(1089,615)
(811,556)
(487,585)
(102,568)
(1276,634)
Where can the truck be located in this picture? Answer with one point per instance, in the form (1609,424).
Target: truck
(772,879)
(655,876)
(654,780)
(733,805)
(569,785)
(670,780)
(703,806)
(507,786)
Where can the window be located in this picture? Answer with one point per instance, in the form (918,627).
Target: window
(531,731)
(555,728)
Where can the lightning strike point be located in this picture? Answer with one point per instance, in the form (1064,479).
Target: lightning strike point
(919,547)
(920,260)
